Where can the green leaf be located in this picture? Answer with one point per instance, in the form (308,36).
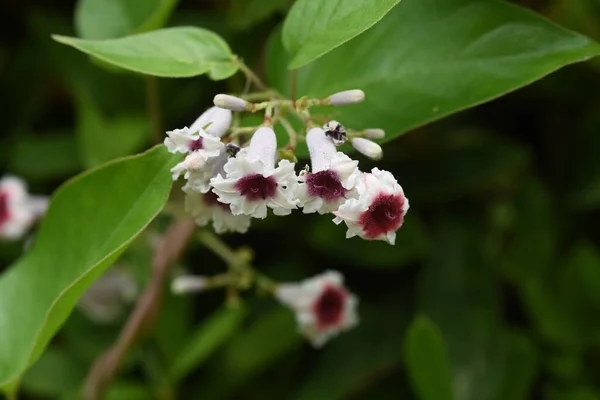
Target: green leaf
(426,360)
(244,14)
(54,374)
(105,19)
(91,220)
(171,52)
(211,334)
(523,366)
(430,58)
(315,27)
(102,139)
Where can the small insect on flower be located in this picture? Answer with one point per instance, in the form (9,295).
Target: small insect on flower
(333,177)
(324,307)
(336,132)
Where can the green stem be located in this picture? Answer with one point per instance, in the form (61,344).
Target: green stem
(220,248)
(251,75)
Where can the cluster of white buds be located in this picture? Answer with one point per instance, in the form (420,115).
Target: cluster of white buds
(18,209)
(230,184)
(230,181)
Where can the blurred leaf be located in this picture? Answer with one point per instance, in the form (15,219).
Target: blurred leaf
(354,361)
(128,390)
(426,360)
(534,239)
(580,392)
(442,173)
(244,14)
(523,362)
(105,19)
(209,336)
(412,244)
(53,375)
(171,52)
(45,156)
(66,257)
(102,139)
(174,324)
(430,58)
(251,351)
(313,28)
(459,291)
(584,263)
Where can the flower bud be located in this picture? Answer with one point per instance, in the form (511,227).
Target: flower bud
(230,102)
(367,147)
(374,133)
(186,284)
(336,132)
(217,119)
(347,97)
(263,145)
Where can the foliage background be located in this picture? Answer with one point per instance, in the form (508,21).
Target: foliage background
(499,250)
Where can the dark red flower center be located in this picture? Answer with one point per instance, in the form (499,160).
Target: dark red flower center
(384,215)
(256,187)
(196,144)
(329,307)
(4,212)
(211,199)
(326,185)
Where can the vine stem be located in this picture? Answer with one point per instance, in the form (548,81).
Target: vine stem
(142,318)
(153,109)
(252,76)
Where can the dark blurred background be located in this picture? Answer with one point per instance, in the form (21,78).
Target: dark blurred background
(500,246)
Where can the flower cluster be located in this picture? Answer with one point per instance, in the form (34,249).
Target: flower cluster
(229,181)
(229,184)
(18,209)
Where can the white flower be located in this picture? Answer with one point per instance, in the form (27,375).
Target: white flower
(332,178)
(252,183)
(204,207)
(323,306)
(379,210)
(231,102)
(374,133)
(215,121)
(18,210)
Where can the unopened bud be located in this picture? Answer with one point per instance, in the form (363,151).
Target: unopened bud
(186,284)
(231,102)
(347,97)
(374,133)
(367,147)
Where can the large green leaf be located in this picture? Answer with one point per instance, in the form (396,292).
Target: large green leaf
(105,19)
(313,28)
(429,58)
(91,220)
(171,52)
(426,360)
(102,139)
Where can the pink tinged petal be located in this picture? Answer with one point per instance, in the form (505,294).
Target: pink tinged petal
(263,146)
(329,307)
(178,170)
(256,187)
(5,215)
(217,119)
(385,214)
(321,149)
(326,185)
